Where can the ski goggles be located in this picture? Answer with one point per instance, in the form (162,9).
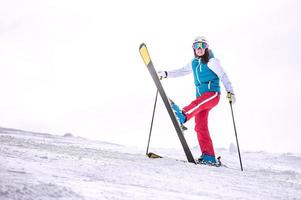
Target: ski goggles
(199,45)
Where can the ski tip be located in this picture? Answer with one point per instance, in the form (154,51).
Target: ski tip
(142,45)
(144,54)
(153,155)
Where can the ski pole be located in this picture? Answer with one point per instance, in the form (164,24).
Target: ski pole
(151,127)
(236,136)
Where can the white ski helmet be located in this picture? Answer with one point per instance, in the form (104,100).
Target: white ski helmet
(200,39)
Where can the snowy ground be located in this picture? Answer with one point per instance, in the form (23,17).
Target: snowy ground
(42,166)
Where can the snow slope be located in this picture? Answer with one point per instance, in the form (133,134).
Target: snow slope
(44,166)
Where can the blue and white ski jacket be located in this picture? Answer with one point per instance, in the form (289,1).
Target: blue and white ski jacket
(206,76)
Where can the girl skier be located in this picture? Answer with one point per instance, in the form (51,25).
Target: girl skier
(207,73)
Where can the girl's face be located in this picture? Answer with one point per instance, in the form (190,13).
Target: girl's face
(199,52)
(199,48)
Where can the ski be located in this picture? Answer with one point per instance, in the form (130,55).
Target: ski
(148,62)
(198,162)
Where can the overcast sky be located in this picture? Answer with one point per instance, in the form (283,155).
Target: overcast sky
(74,66)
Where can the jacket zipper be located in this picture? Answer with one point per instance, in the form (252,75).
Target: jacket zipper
(196,71)
(198,90)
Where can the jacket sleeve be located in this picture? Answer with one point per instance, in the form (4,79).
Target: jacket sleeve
(216,67)
(180,72)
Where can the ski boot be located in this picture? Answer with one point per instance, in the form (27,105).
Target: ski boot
(179,114)
(209,160)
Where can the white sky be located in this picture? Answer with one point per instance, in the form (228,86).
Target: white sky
(74,66)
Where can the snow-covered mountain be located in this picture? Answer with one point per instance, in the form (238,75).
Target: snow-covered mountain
(43,166)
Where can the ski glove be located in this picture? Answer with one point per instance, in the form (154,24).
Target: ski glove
(231,97)
(162,74)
